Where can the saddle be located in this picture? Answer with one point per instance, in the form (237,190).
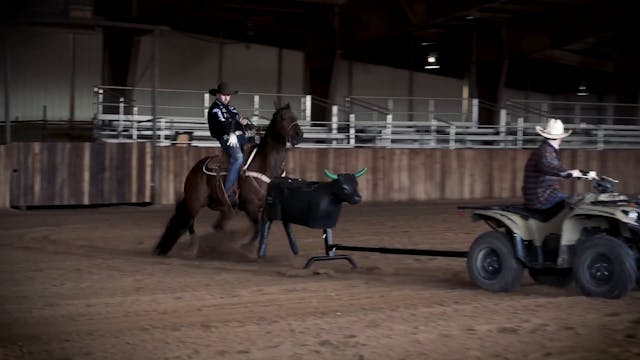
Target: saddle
(219,164)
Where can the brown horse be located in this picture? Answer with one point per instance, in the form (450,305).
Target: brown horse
(203,187)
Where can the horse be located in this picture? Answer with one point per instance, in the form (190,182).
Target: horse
(203,187)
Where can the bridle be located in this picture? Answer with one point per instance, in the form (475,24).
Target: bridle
(290,125)
(257,175)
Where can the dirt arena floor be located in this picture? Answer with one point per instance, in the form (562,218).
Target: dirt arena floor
(81,284)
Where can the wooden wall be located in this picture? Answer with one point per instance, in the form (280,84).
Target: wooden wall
(87,173)
(79,174)
(5,176)
(435,174)
(173,164)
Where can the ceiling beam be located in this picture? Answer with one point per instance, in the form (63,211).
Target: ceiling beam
(569,58)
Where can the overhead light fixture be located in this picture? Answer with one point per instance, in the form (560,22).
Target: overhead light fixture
(432,61)
(582,89)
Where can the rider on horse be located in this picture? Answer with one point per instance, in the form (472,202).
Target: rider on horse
(227,126)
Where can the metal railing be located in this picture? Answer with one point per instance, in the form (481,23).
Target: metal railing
(576,112)
(364,121)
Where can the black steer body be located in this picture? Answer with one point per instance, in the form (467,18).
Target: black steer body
(312,204)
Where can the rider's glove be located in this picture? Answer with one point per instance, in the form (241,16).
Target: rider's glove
(571,173)
(233,140)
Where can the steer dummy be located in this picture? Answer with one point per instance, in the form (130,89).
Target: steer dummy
(309,203)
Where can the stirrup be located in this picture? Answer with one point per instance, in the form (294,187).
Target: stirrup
(233,199)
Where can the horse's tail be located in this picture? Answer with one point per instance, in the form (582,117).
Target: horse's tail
(179,223)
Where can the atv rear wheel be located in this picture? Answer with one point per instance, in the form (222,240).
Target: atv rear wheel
(605,267)
(552,277)
(492,264)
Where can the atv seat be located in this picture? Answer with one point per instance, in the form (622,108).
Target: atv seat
(545,215)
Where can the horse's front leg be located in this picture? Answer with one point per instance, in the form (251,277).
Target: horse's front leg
(223,219)
(254,214)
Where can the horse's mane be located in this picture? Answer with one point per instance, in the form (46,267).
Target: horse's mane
(269,132)
(274,162)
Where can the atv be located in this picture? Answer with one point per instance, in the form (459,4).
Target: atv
(592,239)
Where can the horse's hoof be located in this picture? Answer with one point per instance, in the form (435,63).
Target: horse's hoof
(191,241)
(196,253)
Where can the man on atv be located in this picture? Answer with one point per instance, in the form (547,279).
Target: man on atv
(543,171)
(227,126)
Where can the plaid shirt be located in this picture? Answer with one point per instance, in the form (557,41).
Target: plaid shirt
(542,177)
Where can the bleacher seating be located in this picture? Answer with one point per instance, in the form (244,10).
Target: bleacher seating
(371,124)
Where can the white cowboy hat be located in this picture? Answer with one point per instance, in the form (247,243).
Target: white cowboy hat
(554,130)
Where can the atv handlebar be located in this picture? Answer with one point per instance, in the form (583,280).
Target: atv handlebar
(592,175)
(584,174)
(602,184)
(588,174)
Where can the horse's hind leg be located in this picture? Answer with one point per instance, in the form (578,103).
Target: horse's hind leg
(180,222)
(192,235)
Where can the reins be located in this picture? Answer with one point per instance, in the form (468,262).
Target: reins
(254,174)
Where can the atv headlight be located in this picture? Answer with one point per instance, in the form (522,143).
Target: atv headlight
(631,214)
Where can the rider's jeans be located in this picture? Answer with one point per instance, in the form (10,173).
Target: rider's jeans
(553,201)
(235,161)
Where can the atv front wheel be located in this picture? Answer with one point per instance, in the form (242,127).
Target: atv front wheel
(605,267)
(492,264)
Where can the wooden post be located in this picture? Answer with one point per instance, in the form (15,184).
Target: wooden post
(7,97)
(154,117)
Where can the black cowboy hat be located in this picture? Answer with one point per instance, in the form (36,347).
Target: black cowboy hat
(223,88)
